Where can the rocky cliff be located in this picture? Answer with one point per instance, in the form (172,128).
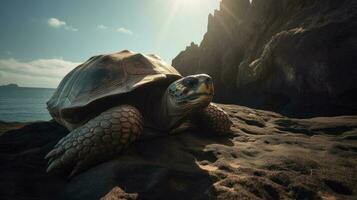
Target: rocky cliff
(297,57)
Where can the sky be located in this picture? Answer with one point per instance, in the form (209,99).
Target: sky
(42,40)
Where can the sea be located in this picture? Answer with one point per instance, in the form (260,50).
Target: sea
(23,104)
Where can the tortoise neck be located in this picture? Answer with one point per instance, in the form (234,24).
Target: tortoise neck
(170,115)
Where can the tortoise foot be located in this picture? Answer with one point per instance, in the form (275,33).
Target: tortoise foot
(96,141)
(213,118)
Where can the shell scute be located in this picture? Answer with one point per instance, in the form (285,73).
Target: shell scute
(103,77)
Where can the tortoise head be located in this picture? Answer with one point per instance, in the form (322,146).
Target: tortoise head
(191,92)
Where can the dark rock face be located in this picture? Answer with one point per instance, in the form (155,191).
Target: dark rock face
(296,57)
(268,156)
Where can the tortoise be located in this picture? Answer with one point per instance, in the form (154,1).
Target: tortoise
(111,100)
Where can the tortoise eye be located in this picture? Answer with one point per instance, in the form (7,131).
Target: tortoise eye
(190,82)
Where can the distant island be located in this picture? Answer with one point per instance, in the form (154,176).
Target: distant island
(11,85)
(16,86)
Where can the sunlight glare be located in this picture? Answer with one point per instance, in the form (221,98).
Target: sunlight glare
(189,3)
(179,7)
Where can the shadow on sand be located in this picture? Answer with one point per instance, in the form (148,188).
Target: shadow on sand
(161,168)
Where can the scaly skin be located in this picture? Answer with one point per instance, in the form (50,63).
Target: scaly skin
(99,139)
(214,119)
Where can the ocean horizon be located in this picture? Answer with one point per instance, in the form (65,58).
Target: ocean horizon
(24,104)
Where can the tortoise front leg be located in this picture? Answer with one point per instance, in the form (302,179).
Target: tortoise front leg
(214,119)
(96,141)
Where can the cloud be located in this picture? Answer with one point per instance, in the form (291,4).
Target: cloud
(124,31)
(57,23)
(38,73)
(101,26)
(71,28)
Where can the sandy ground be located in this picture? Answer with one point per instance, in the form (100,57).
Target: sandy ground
(268,156)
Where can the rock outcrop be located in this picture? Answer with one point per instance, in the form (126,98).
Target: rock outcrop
(268,156)
(296,57)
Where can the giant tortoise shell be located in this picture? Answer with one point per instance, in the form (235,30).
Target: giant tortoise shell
(105,76)
(110,101)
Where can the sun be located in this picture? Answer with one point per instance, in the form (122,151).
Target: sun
(180,8)
(189,3)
